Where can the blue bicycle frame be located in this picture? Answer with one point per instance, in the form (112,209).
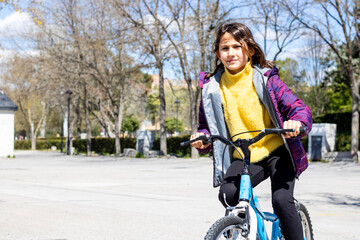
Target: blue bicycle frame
(246,194)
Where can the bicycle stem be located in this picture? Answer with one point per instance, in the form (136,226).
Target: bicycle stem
(244,146)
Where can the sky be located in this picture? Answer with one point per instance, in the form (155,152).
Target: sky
(11,25)
(15,24)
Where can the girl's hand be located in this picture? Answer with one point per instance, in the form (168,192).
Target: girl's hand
(198,144)
(292,124)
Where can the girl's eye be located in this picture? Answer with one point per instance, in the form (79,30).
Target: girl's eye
(224,48)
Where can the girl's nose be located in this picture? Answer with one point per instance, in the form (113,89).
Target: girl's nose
(231,51)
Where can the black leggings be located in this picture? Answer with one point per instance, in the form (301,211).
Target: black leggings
(279,168)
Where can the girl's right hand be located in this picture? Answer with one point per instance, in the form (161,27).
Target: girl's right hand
(198,144)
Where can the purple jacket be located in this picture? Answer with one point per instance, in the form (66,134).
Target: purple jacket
(280,103)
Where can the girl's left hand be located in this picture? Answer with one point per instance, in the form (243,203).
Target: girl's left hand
(292,124)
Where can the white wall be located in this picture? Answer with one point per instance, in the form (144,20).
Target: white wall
(328,132)
(6,133)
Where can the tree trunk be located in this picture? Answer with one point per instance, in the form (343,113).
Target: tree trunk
(118,126)
(163,147)
(32,137)
(78,117)
(33,142)
(193,115)
(87,123)
(117,145)
(43,128)
(71,129)
(355,120)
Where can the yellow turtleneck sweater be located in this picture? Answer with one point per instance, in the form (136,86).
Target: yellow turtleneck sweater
(243,111)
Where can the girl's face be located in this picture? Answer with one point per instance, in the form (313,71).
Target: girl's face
(232,54)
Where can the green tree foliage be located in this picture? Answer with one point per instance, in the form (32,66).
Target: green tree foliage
(317,99)
(339,98)
(170,125)
(294,78)
(152,107)
(339,86)
(130,124)
(315,94)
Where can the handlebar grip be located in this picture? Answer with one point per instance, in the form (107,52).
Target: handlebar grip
(303,130)
(204,138)
(182,144)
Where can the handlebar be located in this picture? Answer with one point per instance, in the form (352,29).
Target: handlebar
(211,138)
(205,138)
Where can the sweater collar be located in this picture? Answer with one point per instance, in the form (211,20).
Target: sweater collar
(240,75)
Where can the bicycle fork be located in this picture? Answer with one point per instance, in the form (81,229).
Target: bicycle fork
(244,210)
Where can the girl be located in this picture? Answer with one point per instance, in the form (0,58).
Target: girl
(245,93)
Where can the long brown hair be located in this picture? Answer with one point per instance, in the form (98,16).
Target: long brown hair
(242,34)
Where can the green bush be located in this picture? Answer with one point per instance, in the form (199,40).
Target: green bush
(98,145)
(22,144)
(173,145)
(41,143)
(342,120)
(104,145)
(343,142)
(304,142)
(79,145)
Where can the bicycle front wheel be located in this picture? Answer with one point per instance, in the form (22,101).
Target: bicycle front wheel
(306,223)
(228,227)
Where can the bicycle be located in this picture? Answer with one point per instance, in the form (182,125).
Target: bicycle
(239,221)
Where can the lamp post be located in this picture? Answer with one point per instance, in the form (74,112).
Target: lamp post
(69,92)
(177,102)
(62,135)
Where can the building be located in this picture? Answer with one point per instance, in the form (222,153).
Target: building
(7,109)
(168,84)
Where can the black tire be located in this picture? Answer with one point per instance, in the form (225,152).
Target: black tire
(306,223)
(224,228)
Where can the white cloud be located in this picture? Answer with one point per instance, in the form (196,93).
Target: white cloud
(16,25)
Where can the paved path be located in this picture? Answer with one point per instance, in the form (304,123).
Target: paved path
(48,196)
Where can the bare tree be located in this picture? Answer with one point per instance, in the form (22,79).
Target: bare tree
(312,59)
(29,92)
(145,18)
(186,22)
(62,45)
(110,64)
(278,29)
(88,45)
(335,22)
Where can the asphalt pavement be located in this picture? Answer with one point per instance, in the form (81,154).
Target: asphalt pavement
(51,196)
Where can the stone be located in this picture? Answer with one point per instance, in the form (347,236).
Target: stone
(152,154)
(130,152)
